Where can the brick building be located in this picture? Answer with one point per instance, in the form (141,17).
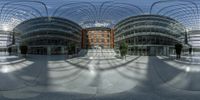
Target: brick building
(97,37)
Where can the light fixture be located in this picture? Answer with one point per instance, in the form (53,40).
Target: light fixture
(5,27)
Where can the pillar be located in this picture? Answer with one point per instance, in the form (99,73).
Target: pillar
(48,50)
(18,50)
(167,51)
(62,50)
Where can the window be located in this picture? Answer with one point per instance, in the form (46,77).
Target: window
(102,40)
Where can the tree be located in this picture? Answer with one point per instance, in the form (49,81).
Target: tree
(123,48)
(24,49)
(190,50)
(9,50)
(178,48)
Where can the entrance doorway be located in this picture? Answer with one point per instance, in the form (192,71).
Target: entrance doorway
(38,50)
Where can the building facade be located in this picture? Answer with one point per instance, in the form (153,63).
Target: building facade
(97,37)
(5,40)
(149,34)
(144,34)
(49,35)
(193,39)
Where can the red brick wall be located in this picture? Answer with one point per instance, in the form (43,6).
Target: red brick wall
(97,36)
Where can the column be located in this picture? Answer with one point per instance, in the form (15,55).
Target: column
(62,50)
(18,50)
(167,51)
(48,50)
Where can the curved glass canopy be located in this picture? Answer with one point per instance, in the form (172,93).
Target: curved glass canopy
(90,13)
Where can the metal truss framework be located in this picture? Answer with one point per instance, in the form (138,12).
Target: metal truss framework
(184,11)
(88,14)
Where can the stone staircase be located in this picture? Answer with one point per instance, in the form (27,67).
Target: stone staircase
(98,53)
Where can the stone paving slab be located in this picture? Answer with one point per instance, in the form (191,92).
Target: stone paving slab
(136,78)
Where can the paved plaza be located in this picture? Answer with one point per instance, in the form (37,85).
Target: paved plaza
(84,78)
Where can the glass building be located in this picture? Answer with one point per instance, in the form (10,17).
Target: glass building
(5,40)
(149,34)
(193,38)
(49,35)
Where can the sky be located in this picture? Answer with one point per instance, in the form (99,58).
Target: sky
(144,4)
(76,14)
(53,4)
